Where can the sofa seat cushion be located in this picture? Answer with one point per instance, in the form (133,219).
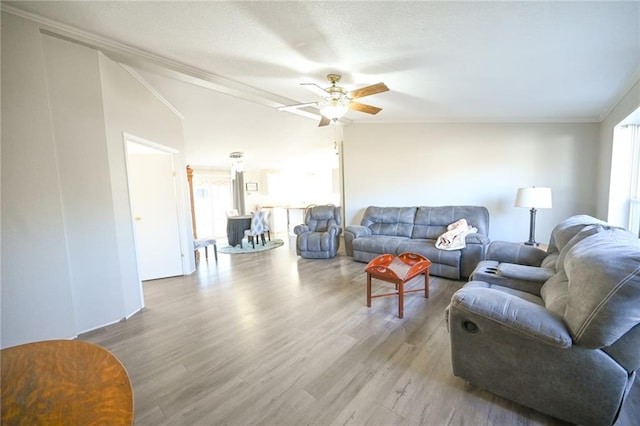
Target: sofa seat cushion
(444,263)
(379,244)
(550,261)
(555,293)
(318,245)
(521,294)
(428,249)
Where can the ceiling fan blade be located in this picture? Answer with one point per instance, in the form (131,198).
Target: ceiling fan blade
(296,106)
(368,91)
(324,121)
(315,88)
(357,106)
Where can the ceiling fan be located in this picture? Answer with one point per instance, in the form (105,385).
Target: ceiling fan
(336,100)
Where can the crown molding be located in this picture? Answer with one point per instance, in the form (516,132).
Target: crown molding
(632,81)
(138,58)
(151,89)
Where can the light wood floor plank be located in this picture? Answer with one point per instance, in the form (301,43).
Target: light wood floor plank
(273,339)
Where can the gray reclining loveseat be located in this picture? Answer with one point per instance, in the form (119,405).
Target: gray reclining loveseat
(567,345)
(397,230)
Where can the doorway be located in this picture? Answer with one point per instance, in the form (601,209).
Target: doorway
(154,206)
(212,198)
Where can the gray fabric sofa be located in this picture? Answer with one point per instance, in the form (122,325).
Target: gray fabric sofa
(397,230)
(567,345)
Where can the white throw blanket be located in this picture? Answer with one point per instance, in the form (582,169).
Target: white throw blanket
(454,238)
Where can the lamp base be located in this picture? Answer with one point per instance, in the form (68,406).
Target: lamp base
(532,228)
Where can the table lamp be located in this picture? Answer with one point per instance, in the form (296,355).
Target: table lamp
(535,198)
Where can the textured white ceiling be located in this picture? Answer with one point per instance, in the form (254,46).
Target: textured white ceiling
(443,61)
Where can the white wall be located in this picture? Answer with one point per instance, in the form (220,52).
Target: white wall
(472,164)
(67,248)
(37,300)
(132,108)
(75,101)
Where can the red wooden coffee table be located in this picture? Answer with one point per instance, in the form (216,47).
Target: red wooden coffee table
(398,271)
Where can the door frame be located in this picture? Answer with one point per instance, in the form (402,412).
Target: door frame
(154,146)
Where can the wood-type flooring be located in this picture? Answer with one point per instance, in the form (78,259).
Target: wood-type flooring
(273,339)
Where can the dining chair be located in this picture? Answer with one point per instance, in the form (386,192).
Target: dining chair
(257,229)
(265,223)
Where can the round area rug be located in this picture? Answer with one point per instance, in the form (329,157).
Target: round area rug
(247,248)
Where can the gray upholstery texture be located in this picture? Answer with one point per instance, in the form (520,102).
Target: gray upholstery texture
(571,349)
(604,288)
(391,221)
(568,228)
(397,230)
(319,236)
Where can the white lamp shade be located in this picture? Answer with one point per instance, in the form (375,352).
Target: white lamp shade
(534,197)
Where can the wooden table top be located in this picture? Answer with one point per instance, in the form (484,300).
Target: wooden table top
(398,269)
(64,382)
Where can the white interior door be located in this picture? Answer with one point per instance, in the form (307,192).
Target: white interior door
(155,211)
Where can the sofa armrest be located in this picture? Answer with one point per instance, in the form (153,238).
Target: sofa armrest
(475,238)
(300,229)
(358,231)
(508,252)
(509,311)
(352,232)
(334,230)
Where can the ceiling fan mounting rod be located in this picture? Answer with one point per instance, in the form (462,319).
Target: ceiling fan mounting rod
(334,78)
(335,92)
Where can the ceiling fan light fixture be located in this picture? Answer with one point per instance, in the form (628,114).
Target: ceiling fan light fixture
(334,108)
(335,101)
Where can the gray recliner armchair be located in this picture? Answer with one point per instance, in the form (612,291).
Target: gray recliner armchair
(319,236)
(569,347)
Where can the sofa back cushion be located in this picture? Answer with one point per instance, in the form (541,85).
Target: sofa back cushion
(431,222)
(568,228)
(604,288)
(390,221)
(585,232)
(321,218)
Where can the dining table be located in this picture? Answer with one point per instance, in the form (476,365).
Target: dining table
(236,225)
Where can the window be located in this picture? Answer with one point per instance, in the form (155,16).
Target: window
(624,195)
(300,188)
(211,199)
(634,179)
